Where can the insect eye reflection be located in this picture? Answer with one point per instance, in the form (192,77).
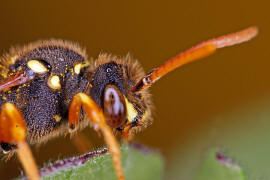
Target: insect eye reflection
(114,106)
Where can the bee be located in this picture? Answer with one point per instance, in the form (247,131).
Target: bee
(44,85)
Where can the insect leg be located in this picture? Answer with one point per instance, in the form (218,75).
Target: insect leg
(98,120)
(13,131)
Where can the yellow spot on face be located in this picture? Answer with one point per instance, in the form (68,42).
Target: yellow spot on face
(131,112)
(77,68)
(37,66)
(4,98)
(57,118)
(54,82)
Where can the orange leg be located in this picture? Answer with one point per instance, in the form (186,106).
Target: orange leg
(13,131)
(98,120)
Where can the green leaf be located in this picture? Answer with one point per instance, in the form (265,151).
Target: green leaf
(218,167)
(138,163)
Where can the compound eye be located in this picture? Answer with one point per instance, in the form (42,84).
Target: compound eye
(114,106)
(37,66)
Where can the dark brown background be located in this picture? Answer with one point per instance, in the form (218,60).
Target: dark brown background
(189,100)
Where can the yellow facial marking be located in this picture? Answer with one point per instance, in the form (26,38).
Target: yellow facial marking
(54,82)
(77,68)
(57,118)
(131,112)
(37,66)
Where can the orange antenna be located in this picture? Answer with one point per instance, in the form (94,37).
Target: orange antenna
(197,52)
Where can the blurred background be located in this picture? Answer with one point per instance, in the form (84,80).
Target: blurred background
(222,101)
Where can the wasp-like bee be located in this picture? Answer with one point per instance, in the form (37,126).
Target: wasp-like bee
(44,85)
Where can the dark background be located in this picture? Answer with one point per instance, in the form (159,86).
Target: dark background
(189,101)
